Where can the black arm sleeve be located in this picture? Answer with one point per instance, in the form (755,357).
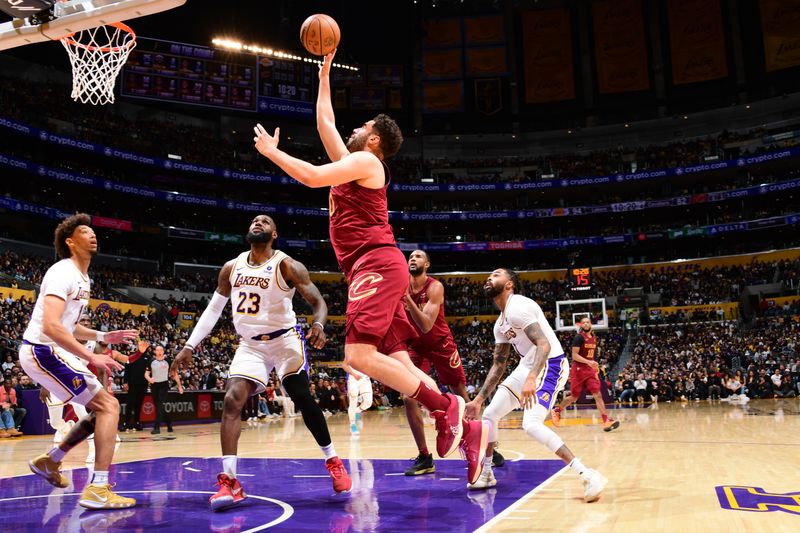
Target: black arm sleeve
(577,342)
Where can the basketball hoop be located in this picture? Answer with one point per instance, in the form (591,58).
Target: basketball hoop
(97,56)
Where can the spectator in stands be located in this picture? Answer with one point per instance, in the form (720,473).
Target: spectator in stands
(786,389)
(641,389)
(208,380)
(8,364)
(10,402)
(714,385)
(628,390)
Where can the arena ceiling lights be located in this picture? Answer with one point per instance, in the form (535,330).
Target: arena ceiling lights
(236,46)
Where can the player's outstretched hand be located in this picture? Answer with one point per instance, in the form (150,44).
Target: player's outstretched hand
(264,141)
(316,336)
(103,361)
(181,361)
(325,66)
(120,336)
(472,410)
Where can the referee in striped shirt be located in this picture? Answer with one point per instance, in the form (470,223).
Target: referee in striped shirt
(157,376)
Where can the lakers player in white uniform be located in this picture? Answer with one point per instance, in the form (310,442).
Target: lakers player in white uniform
(533,385)
(55,408)
(52,356)
(359,397)
(261,284)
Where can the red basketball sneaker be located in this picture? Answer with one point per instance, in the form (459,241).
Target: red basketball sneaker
(230,493)
(449,426)
(341,481)
(473,448)
(556,416)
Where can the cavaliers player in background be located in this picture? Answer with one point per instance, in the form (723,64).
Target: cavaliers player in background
(261,283)
(376,270)
(434,347)
(583,375)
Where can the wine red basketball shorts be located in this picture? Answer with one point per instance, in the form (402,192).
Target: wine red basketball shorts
(375,312)
(583,377)
(444,358)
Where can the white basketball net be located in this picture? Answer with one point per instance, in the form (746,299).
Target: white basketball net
(97,55)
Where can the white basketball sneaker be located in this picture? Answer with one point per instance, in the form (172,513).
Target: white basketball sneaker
(593,485)
(62,433)
(485,481)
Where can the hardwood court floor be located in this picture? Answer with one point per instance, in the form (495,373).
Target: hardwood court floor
(668,467)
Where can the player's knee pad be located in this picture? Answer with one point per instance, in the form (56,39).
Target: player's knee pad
(502,403)
(533,425)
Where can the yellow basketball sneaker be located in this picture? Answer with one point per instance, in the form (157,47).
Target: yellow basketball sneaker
(50,470)
(101,497)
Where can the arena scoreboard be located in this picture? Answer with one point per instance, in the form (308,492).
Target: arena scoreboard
(579,280)
(199,75)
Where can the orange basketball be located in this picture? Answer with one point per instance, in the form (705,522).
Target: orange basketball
(320,34)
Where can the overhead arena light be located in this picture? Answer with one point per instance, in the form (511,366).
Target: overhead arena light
(236,46)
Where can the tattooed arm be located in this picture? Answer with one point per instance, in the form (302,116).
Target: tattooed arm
(501,354)
(541,350)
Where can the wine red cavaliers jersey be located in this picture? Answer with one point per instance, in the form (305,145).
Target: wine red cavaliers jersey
(440,331)
(359,221)
(587,346)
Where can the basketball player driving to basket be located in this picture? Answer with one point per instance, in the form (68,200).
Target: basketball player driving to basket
(375,268)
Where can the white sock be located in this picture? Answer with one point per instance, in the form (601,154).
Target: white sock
(100,477)
(229,465)
(487,464)
(57,454)
(329,451)
(578,466)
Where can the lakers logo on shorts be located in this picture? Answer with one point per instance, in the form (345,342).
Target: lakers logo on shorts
(364,286)
(546,397)
(455,360)
(76,383)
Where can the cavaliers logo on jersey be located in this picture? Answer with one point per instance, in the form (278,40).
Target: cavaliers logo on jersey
(364,286)
(455,360)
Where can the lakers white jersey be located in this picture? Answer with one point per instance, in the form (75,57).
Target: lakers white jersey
(260,297)
(521,312)
(68,283)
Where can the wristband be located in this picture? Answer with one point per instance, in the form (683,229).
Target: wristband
(189,347)
(100,336)
(320,325)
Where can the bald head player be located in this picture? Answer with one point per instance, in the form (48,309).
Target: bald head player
(434,348)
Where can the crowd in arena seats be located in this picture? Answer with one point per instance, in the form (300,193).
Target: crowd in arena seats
(206,146)
(678,284)
(705,361)
(104,279)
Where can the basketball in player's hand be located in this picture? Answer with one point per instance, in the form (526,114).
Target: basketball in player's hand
(320,34)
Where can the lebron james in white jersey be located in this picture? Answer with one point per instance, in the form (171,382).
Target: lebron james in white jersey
(261,284)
